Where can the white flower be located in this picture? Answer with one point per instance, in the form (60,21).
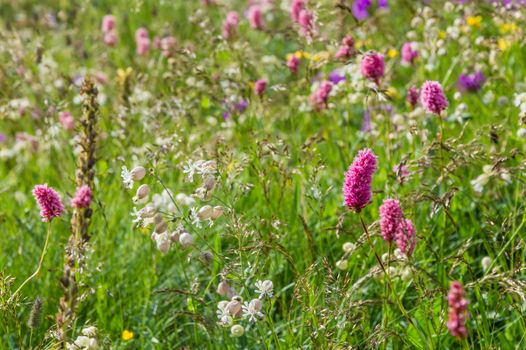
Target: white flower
(223,314)
(264,288)
(251,311)
(126,178)
(191,168)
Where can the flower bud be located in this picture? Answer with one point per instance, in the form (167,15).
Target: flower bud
(186,239)
(138,173)
(237,330)
(142,191)
(348,247)
(256,304)
(342,264)
(486,263)
(223,288)
(234,308)
(217,212)
(205,212)
(161,227)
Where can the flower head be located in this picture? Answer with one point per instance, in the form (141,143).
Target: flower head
(295,8)
(108,23)
(457,315)
(264,288)
(390,217)
(318,99)
(412,96)
(82,197)
(372,66)
(360,9)
(357,184)
(406,237)
(259,86)
(432,97)
(255,17)
(293,63)
(230,25)
(409,52)
(471,82)
(49,202)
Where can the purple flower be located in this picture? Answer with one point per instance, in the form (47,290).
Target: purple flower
(336,77)
(82,197)
(390,217)
(432,97)
(458,311)
(357,185)
(405,236)
(412,96)
(241,106)
(360,9)
(49,202)
(471,82)
(366,121)
(372,66)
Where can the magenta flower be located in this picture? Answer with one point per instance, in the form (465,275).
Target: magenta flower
(306,22)
(346,50)
(230,25)
(412,96)
(108,23)
(293,63)
(167,46)
(295,8)
(255,17)
(82,197)
(433,98)
(318,99)
(141,33)
(390,218)
(259,86)
(357,185)
(49,202)
(409,52)
(406,237)
(471,82)
(66,119)
(372,66)
(458,311)
(110,38)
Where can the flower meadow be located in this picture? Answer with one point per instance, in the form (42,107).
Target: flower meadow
(262,174)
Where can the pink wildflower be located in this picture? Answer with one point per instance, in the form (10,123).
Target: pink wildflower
(255,17)
(295,8)
(390,217)
(346,50)
(108,23)
(357,185)
(458,313)
(318,99)
(372,66)
(306,22)
(110,38)
(141,33)
(406,237)
(66,120)
(49,202)
(167,46)
(259,86)
(409,53)
(293,63)
(230,25)
(432,97)
(82,197)
(412,96)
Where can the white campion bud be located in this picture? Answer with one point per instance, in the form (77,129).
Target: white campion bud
(486,263)
(217,212)
(138,173)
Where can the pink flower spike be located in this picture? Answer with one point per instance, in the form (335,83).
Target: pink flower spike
(255,17)
(390,218)
(433,98)
(409,53)
(230,25)
(108,23)
(293,63)
(110,38)
(372,66)
(458,311)
(49,202)
(406,237)
(306,22)
(357,185)
(82,197)
(141,33)
(295,8)
(318,99)
(259,86)
(66,120)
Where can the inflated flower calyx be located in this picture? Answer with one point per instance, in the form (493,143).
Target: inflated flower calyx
(175,236)
(217,212)
(138,173)
(157,219)
(142,192)
(205,212)
(161,227)
(234,308)
(209,183)
(342,264)
(237,330)
(147,212)
(256,304)
(163,242)
(223,288)
(186,239)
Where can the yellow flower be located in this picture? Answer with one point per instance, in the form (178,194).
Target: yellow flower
(442,34)
(127,335)
(474,21)
(392,53)
(320,56)
(359,44)
(503,44)
(302,54)
(392,92)
(508,28)
(123,74)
